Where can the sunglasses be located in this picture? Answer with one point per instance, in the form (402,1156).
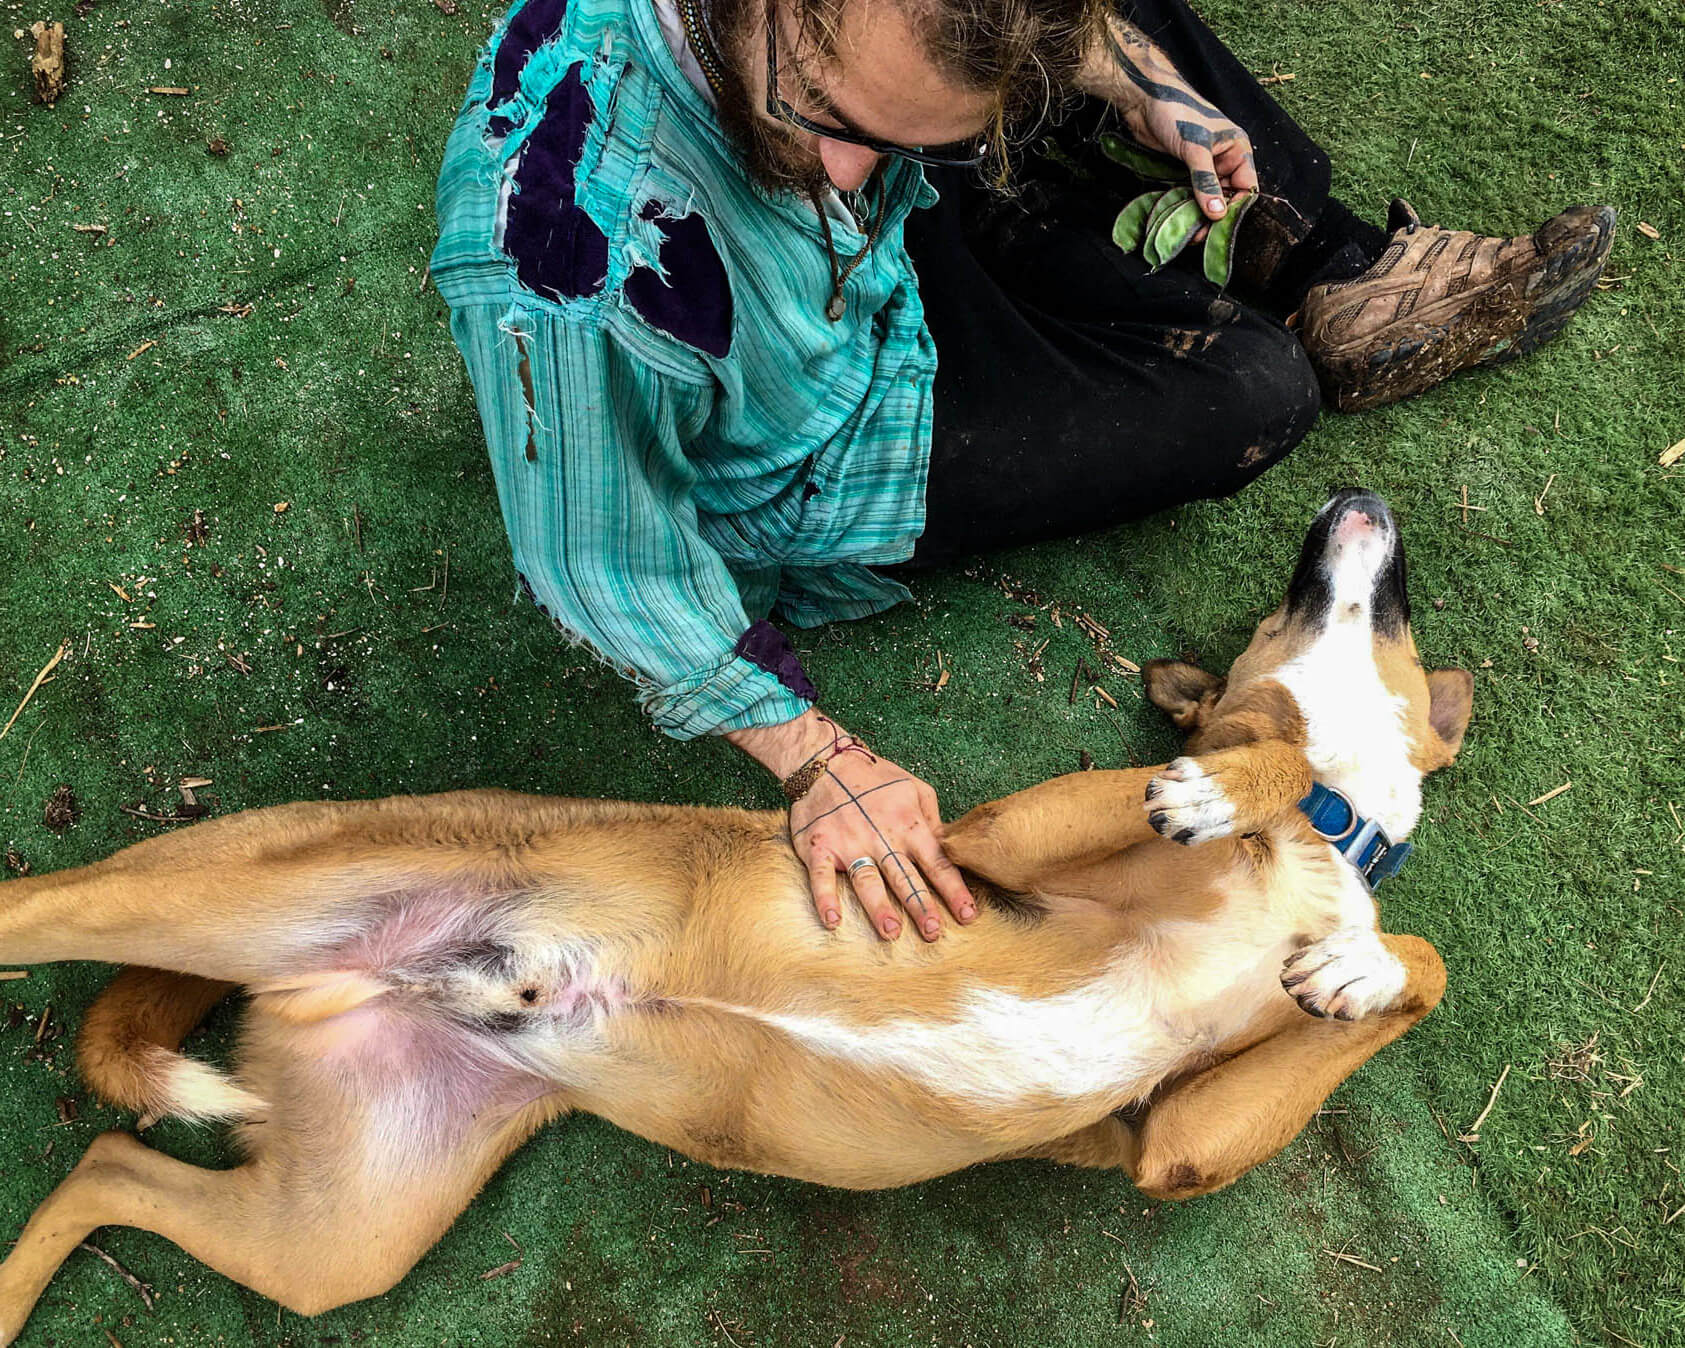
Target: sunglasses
(959,154)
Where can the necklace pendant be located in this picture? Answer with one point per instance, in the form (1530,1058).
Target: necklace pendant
(836,307)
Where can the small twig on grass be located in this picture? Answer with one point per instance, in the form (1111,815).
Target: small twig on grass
(40,678)
(12,975)
(511,1266)
(142,1288)
(1601,996)
(41,1025)
(1473,1134)
(1132,1301)
(151,818)
(1552,794)
(1345,1258)
(142,349)
(1651,991)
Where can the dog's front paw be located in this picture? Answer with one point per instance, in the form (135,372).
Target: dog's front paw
(1186,804)
(1348,975)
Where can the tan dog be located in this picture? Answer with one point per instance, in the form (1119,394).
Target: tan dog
(434,978)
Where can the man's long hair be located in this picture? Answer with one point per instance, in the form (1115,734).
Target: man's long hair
(1026,53)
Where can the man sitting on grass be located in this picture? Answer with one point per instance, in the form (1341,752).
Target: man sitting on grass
(748,315)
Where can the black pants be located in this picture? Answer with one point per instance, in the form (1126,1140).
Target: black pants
(1076,390)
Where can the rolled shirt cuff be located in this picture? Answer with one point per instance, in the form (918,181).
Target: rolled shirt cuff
(734,695)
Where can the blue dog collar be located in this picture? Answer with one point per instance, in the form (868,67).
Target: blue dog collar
(1360,841)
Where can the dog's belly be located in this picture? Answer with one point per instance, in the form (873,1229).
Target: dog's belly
(465,1011)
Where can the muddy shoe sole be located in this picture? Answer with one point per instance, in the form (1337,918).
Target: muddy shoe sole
(1514,314)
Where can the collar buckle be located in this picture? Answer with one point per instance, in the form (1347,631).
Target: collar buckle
(1362,842)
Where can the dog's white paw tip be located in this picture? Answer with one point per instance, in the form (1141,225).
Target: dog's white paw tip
(1186,806)
(1346,975)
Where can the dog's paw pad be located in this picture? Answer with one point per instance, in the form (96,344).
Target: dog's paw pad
(1346,975)
(1187,806)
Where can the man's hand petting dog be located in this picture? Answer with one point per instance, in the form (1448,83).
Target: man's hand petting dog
(881,826)
(869,819)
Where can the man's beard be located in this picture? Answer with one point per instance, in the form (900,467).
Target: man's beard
(776,161)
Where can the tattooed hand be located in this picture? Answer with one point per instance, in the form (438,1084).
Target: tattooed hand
(1163,113)
(863,806)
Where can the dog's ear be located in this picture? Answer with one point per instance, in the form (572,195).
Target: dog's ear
(1450,704)
(1183,692)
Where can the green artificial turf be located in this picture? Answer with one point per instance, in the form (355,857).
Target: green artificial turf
(254,328)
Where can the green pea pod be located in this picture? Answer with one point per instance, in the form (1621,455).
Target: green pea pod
(1142,162)
(1170,236)
(1130,227)
(1167,202)
(1219,243)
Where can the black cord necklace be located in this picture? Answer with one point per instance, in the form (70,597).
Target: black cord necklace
(701,44)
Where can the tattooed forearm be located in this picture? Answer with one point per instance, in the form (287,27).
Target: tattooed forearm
(1131,54)
(1162,112)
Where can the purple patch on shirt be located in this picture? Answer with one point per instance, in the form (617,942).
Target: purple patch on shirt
(693,302)
(536,24)
(765,647)
(556,247)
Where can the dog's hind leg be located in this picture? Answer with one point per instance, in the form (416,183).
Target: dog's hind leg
(120,1182)
(309,1223)
(1209,1130)
(1110,1144)
(234,898)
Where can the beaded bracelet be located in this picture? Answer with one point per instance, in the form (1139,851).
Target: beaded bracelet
(801,781)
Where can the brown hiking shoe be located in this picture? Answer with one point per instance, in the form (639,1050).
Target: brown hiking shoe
(1439,300)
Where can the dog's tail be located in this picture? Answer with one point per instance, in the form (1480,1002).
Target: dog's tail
(129,1048)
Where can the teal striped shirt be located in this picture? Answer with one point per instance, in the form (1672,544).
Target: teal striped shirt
(682,442)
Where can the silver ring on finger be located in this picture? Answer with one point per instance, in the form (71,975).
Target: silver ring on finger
(860,864)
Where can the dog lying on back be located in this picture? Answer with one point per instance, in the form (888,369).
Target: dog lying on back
(1174,968)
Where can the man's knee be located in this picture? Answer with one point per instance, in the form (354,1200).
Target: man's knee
(1271,400)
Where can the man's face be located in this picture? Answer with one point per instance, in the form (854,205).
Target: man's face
(878,81)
